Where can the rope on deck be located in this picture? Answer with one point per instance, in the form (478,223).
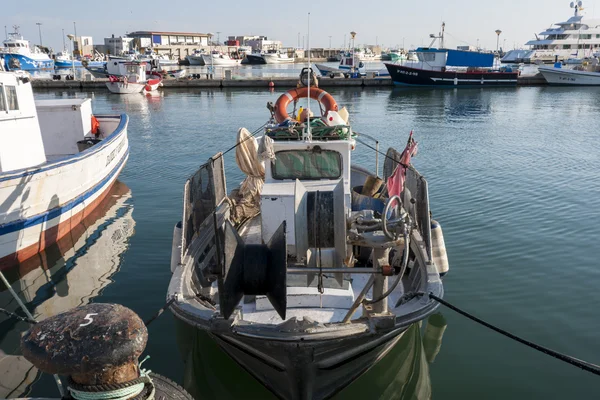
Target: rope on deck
(593,368)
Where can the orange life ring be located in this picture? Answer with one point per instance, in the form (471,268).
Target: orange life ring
(317,94)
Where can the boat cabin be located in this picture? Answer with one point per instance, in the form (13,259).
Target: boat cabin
(36,132)
(135,71)
(307,184)
(433,59)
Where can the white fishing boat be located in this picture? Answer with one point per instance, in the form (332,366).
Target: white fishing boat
(131,77)
(581,75)
(277,57)
(196,57)
(219,59)
(177,74)
(309,272)
(349,65)
(57,162)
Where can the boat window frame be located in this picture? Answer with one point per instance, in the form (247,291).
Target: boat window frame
(13,88)
(315,149)
(3,101)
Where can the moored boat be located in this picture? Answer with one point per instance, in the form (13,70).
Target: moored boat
(429,66)
(277,57)
(64,59)
(310,271)
(196,57)
(581,75)
(19,55)
(57,162)
(219,59)
(255,58)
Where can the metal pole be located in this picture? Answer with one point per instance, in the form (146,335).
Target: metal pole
(308,92)
(304,270)
(39,24)
(329,41)
(73,51)
(64,45)
(5,32)
(377,158)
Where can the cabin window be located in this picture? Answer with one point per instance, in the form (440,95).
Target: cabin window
(307,164)
(566,46)
(426,56)
(11,98)
(2,100)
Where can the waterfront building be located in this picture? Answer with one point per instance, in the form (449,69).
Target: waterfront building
(175,44)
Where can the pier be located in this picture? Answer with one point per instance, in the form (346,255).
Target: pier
(535,80)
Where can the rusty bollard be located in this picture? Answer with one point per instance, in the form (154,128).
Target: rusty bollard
(96,344)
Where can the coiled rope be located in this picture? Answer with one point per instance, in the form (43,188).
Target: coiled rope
(593,368)
(116,394)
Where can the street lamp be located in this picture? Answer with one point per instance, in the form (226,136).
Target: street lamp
(353,36)
(498,32)
(39,24)
(71,38)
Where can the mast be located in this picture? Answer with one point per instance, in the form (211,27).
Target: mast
(308,134)
(442,35)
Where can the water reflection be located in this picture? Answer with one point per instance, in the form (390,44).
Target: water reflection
(403,373)
(68,274)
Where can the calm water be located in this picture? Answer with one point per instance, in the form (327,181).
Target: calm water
(513,181)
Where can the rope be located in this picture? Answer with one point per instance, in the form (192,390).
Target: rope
(593,368)
(160,311)
(13,315)
(251,136)
(116,394)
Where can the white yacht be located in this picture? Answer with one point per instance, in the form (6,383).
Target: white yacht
(578,37)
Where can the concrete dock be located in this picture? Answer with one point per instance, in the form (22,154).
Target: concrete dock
(536,80)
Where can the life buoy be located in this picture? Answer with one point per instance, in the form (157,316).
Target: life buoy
(317,94)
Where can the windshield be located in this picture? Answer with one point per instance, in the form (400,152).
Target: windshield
(307,164)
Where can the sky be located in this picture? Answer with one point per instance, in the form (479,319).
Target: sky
(387,22)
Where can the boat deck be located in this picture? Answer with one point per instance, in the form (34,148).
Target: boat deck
(304,302)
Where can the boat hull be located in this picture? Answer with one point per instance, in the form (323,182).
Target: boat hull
(67,64)
(221,62)
(196,60)
(402,75)
(125,88)
(27,63)
(40,205)
(304,370)
(569,77)
(274,59)
(255,59)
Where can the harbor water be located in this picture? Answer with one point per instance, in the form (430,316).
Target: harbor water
(513,180)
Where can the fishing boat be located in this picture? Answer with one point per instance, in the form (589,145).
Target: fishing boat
(175,74)
(127,77)
(64,59)
(586,74)
(430,66)
(57,162)
(196,57)
(349,65)
(311,270)
(19,55)
(219,59)
(255,58)
(277,57)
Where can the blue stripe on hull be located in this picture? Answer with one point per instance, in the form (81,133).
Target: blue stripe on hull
(28,64)
(58,211)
